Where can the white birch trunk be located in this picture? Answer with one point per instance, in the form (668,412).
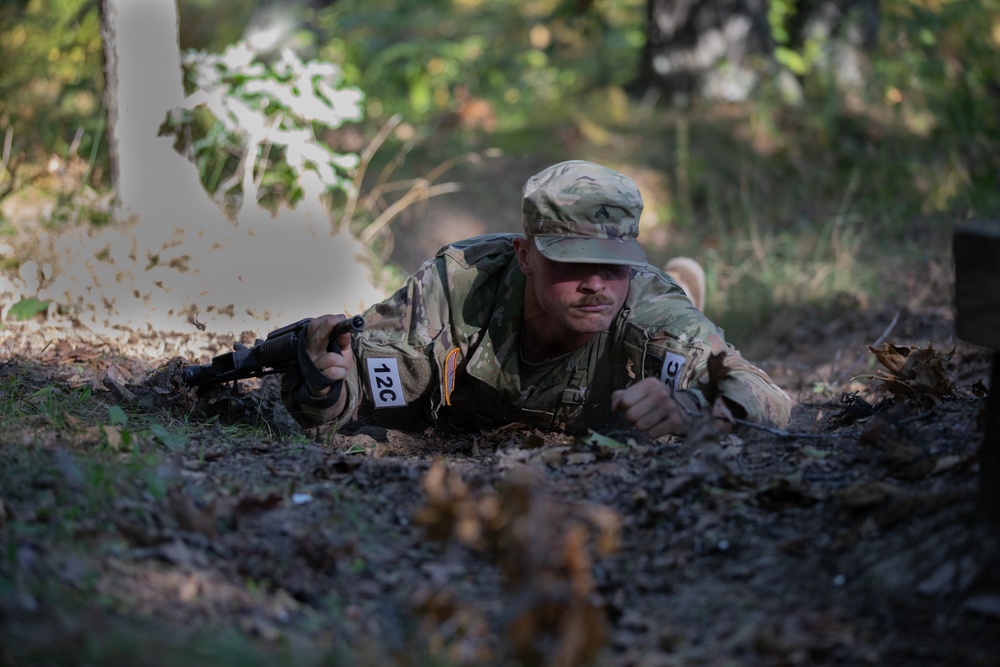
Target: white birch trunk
(172,260)
(143,83)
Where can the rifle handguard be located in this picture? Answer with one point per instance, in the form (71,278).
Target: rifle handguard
(282,348)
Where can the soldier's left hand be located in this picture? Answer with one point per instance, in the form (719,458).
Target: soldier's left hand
(653,407)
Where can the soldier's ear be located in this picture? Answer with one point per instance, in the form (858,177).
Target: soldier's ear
(522,247)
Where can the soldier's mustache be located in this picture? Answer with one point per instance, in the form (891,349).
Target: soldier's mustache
(595,300)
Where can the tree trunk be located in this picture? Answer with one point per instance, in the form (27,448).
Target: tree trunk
(976,249)
(142,84)
(708,47)
(685,39)
(173,261)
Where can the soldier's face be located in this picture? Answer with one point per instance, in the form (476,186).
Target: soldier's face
(580,299)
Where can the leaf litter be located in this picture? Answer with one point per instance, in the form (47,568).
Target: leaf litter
(180,517)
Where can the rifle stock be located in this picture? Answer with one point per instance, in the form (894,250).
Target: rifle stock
(275,354)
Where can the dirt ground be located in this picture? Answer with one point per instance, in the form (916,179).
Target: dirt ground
(850,538)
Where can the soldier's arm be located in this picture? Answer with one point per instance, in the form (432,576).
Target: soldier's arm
(391,363)
(747,391)
(308,393)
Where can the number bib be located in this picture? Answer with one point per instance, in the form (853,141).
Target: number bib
(384,382)
(673,364)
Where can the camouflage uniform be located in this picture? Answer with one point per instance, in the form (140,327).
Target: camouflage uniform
(447,344)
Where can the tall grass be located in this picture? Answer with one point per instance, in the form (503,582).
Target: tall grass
(789,207)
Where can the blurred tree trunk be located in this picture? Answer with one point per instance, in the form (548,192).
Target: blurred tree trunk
(696,47)
(686,38)
(175,256)
(143,83)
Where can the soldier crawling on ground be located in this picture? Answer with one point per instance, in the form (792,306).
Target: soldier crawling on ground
(565,327)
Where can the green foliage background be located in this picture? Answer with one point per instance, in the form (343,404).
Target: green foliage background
(788,199)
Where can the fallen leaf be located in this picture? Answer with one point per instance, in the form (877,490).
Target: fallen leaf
(113,434)
(915,373)
(190,516)
(596,439)
(553,456)
(678,484)
(783,493)
(987,604)
(866,494)
(953,576)
(948,462)
(543,548)
(580,458)
(533,441)
(904,507)
(716,373)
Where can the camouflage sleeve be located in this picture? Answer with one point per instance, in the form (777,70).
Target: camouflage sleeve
(309,416)
(679,342)
(748,391)
(442,308)
(745,387)
(398,355)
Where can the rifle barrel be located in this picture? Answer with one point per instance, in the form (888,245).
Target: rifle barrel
(350,325)
(269,356)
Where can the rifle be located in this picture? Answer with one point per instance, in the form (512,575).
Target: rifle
(275,354)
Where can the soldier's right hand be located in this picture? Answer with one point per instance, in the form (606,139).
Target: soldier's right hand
(336,366)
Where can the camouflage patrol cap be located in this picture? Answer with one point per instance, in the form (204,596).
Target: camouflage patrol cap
(583,212)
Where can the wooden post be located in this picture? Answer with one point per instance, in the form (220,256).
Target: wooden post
(976,249)
(989,459)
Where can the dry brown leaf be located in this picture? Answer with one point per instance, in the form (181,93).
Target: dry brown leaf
(866,494)
(450,510)
(804,637)
(893,357)
(914,372)
(678,484)
(783,493)
(905,506)
(582,634)
(554,456)
(716,373)
(113,434)
(543,547)
(190,516)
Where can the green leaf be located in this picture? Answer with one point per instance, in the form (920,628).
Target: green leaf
(117,416)
(793,60)
(171,440)
(594,438)
(27,308)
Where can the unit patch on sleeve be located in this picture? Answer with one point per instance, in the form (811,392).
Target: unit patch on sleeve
(384,382)
(673,364)
(450,368)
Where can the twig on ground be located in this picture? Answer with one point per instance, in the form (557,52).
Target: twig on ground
(794,434)
(818,436)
